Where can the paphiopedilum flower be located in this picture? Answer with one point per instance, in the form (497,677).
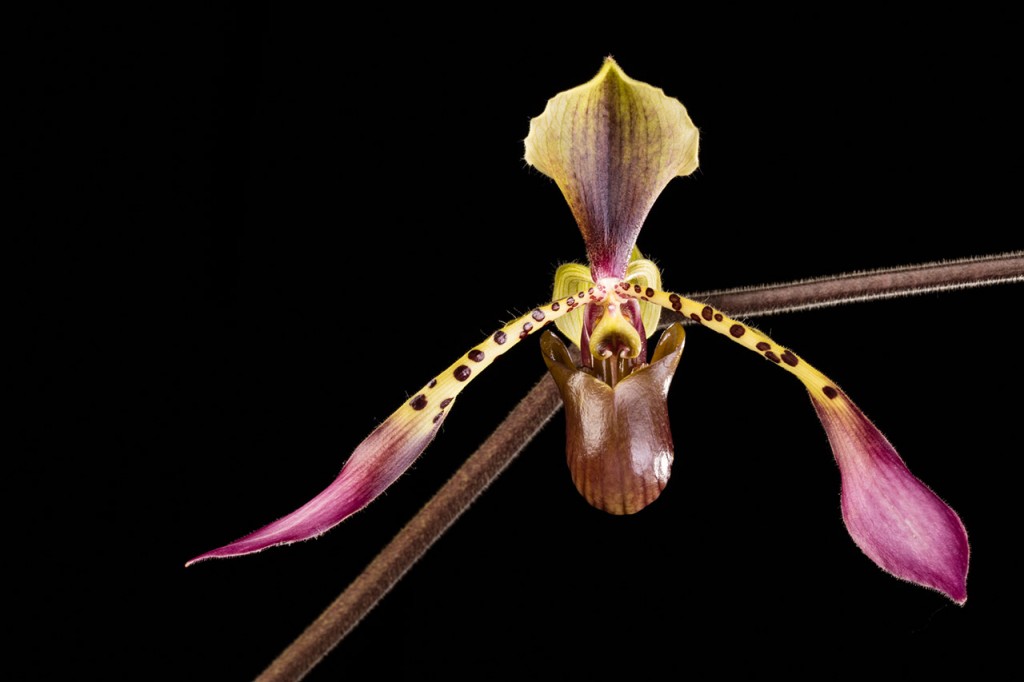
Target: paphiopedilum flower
(611,145)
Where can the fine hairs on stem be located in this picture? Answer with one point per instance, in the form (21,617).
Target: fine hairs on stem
(543,401)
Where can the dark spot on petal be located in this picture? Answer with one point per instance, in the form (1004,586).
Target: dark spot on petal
(433,382)
(476,355)
(419,402)
(718,317)
(528,327)
(579,295)
(761,345)
(649,292)
(737,330)
(695,317)
(789,358)
(676,303)
(500,338)
(590,290)
(571,301)
(446,402)
(555,306)
(462,372)
(537,314)
(624,285)
(637,288)
(830,392)
(707,313)
(437,417)
(773,357)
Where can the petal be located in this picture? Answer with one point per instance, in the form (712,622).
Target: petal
(394,445)
(374,465)
(892,516)
(618,440)
(612,145)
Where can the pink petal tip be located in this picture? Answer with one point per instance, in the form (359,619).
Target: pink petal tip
(374,465)
(893,517)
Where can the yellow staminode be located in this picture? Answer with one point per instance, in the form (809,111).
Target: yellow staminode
(573,278)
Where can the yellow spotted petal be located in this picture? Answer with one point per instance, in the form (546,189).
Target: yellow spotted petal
(394,445)
(897,520)
(612,145)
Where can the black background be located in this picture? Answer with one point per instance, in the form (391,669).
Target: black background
(252,234)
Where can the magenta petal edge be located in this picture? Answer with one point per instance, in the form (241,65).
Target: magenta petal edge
(896,520)
(374,465)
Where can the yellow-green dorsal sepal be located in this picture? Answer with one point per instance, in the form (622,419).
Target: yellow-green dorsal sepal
(612,145)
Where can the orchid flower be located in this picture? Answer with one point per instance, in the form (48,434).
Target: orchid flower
(612,145)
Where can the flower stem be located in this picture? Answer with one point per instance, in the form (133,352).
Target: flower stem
(543,401)
(771,299)
(482,467)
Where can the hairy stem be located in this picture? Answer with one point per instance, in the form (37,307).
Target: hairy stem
(543,401)
(909,280)
(482,467)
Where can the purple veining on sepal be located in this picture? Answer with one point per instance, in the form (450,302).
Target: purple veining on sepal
(893,517)
(374,465)
(612,145)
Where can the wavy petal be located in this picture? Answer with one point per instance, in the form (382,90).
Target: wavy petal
(394,445)
(374,465)
(618,440)
(893,517)
(612,145)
